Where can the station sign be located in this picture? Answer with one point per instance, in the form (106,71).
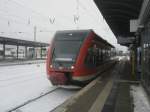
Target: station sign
(125,40)
(133,25)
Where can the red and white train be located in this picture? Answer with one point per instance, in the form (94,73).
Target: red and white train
(76,57)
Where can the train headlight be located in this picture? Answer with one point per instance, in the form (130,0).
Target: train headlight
(51,66)
(72,67)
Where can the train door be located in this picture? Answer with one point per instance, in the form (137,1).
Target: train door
(90,61)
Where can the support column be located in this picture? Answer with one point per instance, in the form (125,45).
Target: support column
(133,62)
(17,51)
(4,51)
(35,54)
(136,70)
(41,52)
(26,52)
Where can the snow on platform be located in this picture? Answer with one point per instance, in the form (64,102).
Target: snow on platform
(20,83)
(140,99)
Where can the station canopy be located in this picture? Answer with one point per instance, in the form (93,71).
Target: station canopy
(118,14)
(19,42)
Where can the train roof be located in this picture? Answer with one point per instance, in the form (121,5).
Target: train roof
(104,41)
(84,34)
(75,31)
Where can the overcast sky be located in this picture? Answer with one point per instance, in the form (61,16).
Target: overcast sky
(19,17)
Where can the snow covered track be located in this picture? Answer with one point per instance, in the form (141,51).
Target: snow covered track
(46,101)
(26,88)
(31,100)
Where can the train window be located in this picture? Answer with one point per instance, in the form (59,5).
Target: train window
(94,57)
(101,55)
(107,54)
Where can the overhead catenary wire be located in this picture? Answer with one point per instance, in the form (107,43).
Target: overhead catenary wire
(32,21)
(27,21)
(33,11)
(19,4)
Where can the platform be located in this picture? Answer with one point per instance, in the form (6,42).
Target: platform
(109,93)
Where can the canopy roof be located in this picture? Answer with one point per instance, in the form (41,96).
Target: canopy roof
(118,14)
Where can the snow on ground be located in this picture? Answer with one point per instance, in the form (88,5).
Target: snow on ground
(20,83)
(19,62)
(140,99)
(48,102)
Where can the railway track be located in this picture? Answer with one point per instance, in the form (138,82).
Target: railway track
(95,93)
(51,99)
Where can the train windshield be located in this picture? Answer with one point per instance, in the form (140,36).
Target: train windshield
(66,50)
(66,47)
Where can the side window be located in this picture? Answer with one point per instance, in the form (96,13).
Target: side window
(100,56)
(108,54)
(104,55)
(96,56)
(90,58)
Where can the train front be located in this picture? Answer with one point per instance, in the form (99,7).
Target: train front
(62,57)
